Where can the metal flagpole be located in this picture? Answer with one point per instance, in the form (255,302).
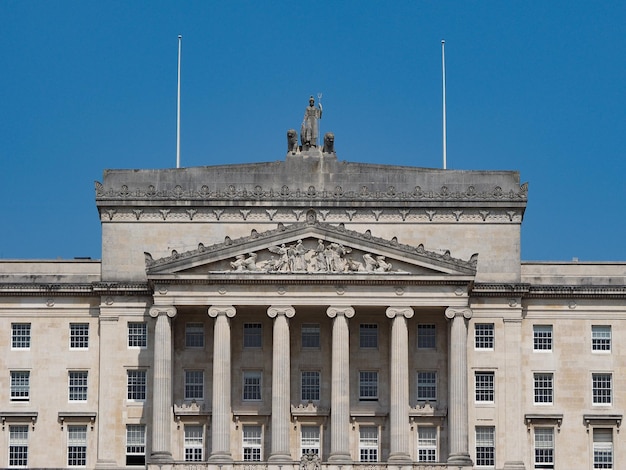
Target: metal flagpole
(180,41)
(443,71)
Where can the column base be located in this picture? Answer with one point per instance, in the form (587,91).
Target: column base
(280,458)
(340,458)
(106,464)
(161,457)
(460,460)
(221,458)
(399,458)
(514,466)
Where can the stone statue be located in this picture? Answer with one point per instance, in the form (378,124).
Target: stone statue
(292,141)
(310,127)
(329,143)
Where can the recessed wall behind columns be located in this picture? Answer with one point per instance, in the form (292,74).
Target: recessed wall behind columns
(124,243)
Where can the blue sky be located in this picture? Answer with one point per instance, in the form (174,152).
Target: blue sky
(533,86)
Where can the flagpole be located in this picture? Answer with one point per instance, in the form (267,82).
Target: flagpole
(180,41)
(443,73)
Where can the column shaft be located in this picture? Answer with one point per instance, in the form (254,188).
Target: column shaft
(340,391)
(281,377)
(221,405)
(162,385)
(457,414)
(399,385)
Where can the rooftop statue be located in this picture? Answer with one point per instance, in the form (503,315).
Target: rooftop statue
(310,128)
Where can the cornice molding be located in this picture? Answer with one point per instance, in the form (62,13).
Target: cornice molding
(526,291)
(75,289)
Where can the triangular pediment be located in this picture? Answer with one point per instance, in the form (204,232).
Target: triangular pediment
(306,249)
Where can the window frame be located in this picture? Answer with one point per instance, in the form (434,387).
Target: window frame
(77,385)
(603,447)
(252,391)
(194,335)
(484,389)
(135,445)
(311,444)
(137,335)
(600,341)
(20,385)
(427,336)
(253,335)
(310,335)
(600,394)
(543,388)
(310,389)
(136,385)
(21,338)
(77,446)
(368,335)
(543,338)
(194,384)
(368,385)
(369,446)
(485,453)
(79,336)
(543,454)
(425,385)
(193,443)
(484,336)
(427,445)
(18,446)
(252,445)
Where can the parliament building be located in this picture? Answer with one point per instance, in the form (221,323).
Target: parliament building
(312,313)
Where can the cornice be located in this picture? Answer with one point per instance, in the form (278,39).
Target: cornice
(74,289)
(529,291)
(233,192)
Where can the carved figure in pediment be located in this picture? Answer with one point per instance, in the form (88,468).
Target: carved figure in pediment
(249,263)
(299,262)
(282,264)
(320,258)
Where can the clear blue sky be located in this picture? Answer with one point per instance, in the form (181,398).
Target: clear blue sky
(534,86)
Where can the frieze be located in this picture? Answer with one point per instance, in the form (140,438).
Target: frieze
(232,192)
(288,215)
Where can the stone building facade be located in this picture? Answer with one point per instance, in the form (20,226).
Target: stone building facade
(312,313)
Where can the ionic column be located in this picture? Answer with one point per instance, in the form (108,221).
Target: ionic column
(340,386)
(457,411)
(281,398)
(162,384)
(399,386)
(221,409)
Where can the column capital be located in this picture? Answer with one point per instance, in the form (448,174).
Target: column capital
(347,312)
(286,310)
(228,310)
(169,310)
(452,312)
(406,312)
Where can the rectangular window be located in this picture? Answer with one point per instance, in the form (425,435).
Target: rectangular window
(20,335)
(368,335)
(310,440)
(483,336)
(194,335)
(601,388)
(77,386)
(252,381)
(310,385)
(18,446)
(484,387)
(542,337)
(79,335)
(543,387)
(426,336)
(20,385)
(136,385)
(194,385)
(135,444)
(368,444)
(252,443)
(368,385)
(544,448)
(310,335)
(485,446)
(601,338)
(427,386)
(602,448)
(137,334)
(252,335)
(426,444)
(76,446)
(194,444)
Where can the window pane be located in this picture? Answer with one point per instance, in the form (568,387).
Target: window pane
(426,444)
(252,335)
(20,385)
(310,440)
(368,385)
(252,443)
(310,335)
(194,444)
(368,444)
(601,384)
(485,446)
(194,335)
(543,386)
(136,384)
(78,385)
(20,335)
(18,446)
(252,385)
(426,336)
(194,384)
(135,444)
(368,335)
(427,386)
(602,448)
(484,386)
(544,448)
(76,446)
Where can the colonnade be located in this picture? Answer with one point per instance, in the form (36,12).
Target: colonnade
(340,386)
